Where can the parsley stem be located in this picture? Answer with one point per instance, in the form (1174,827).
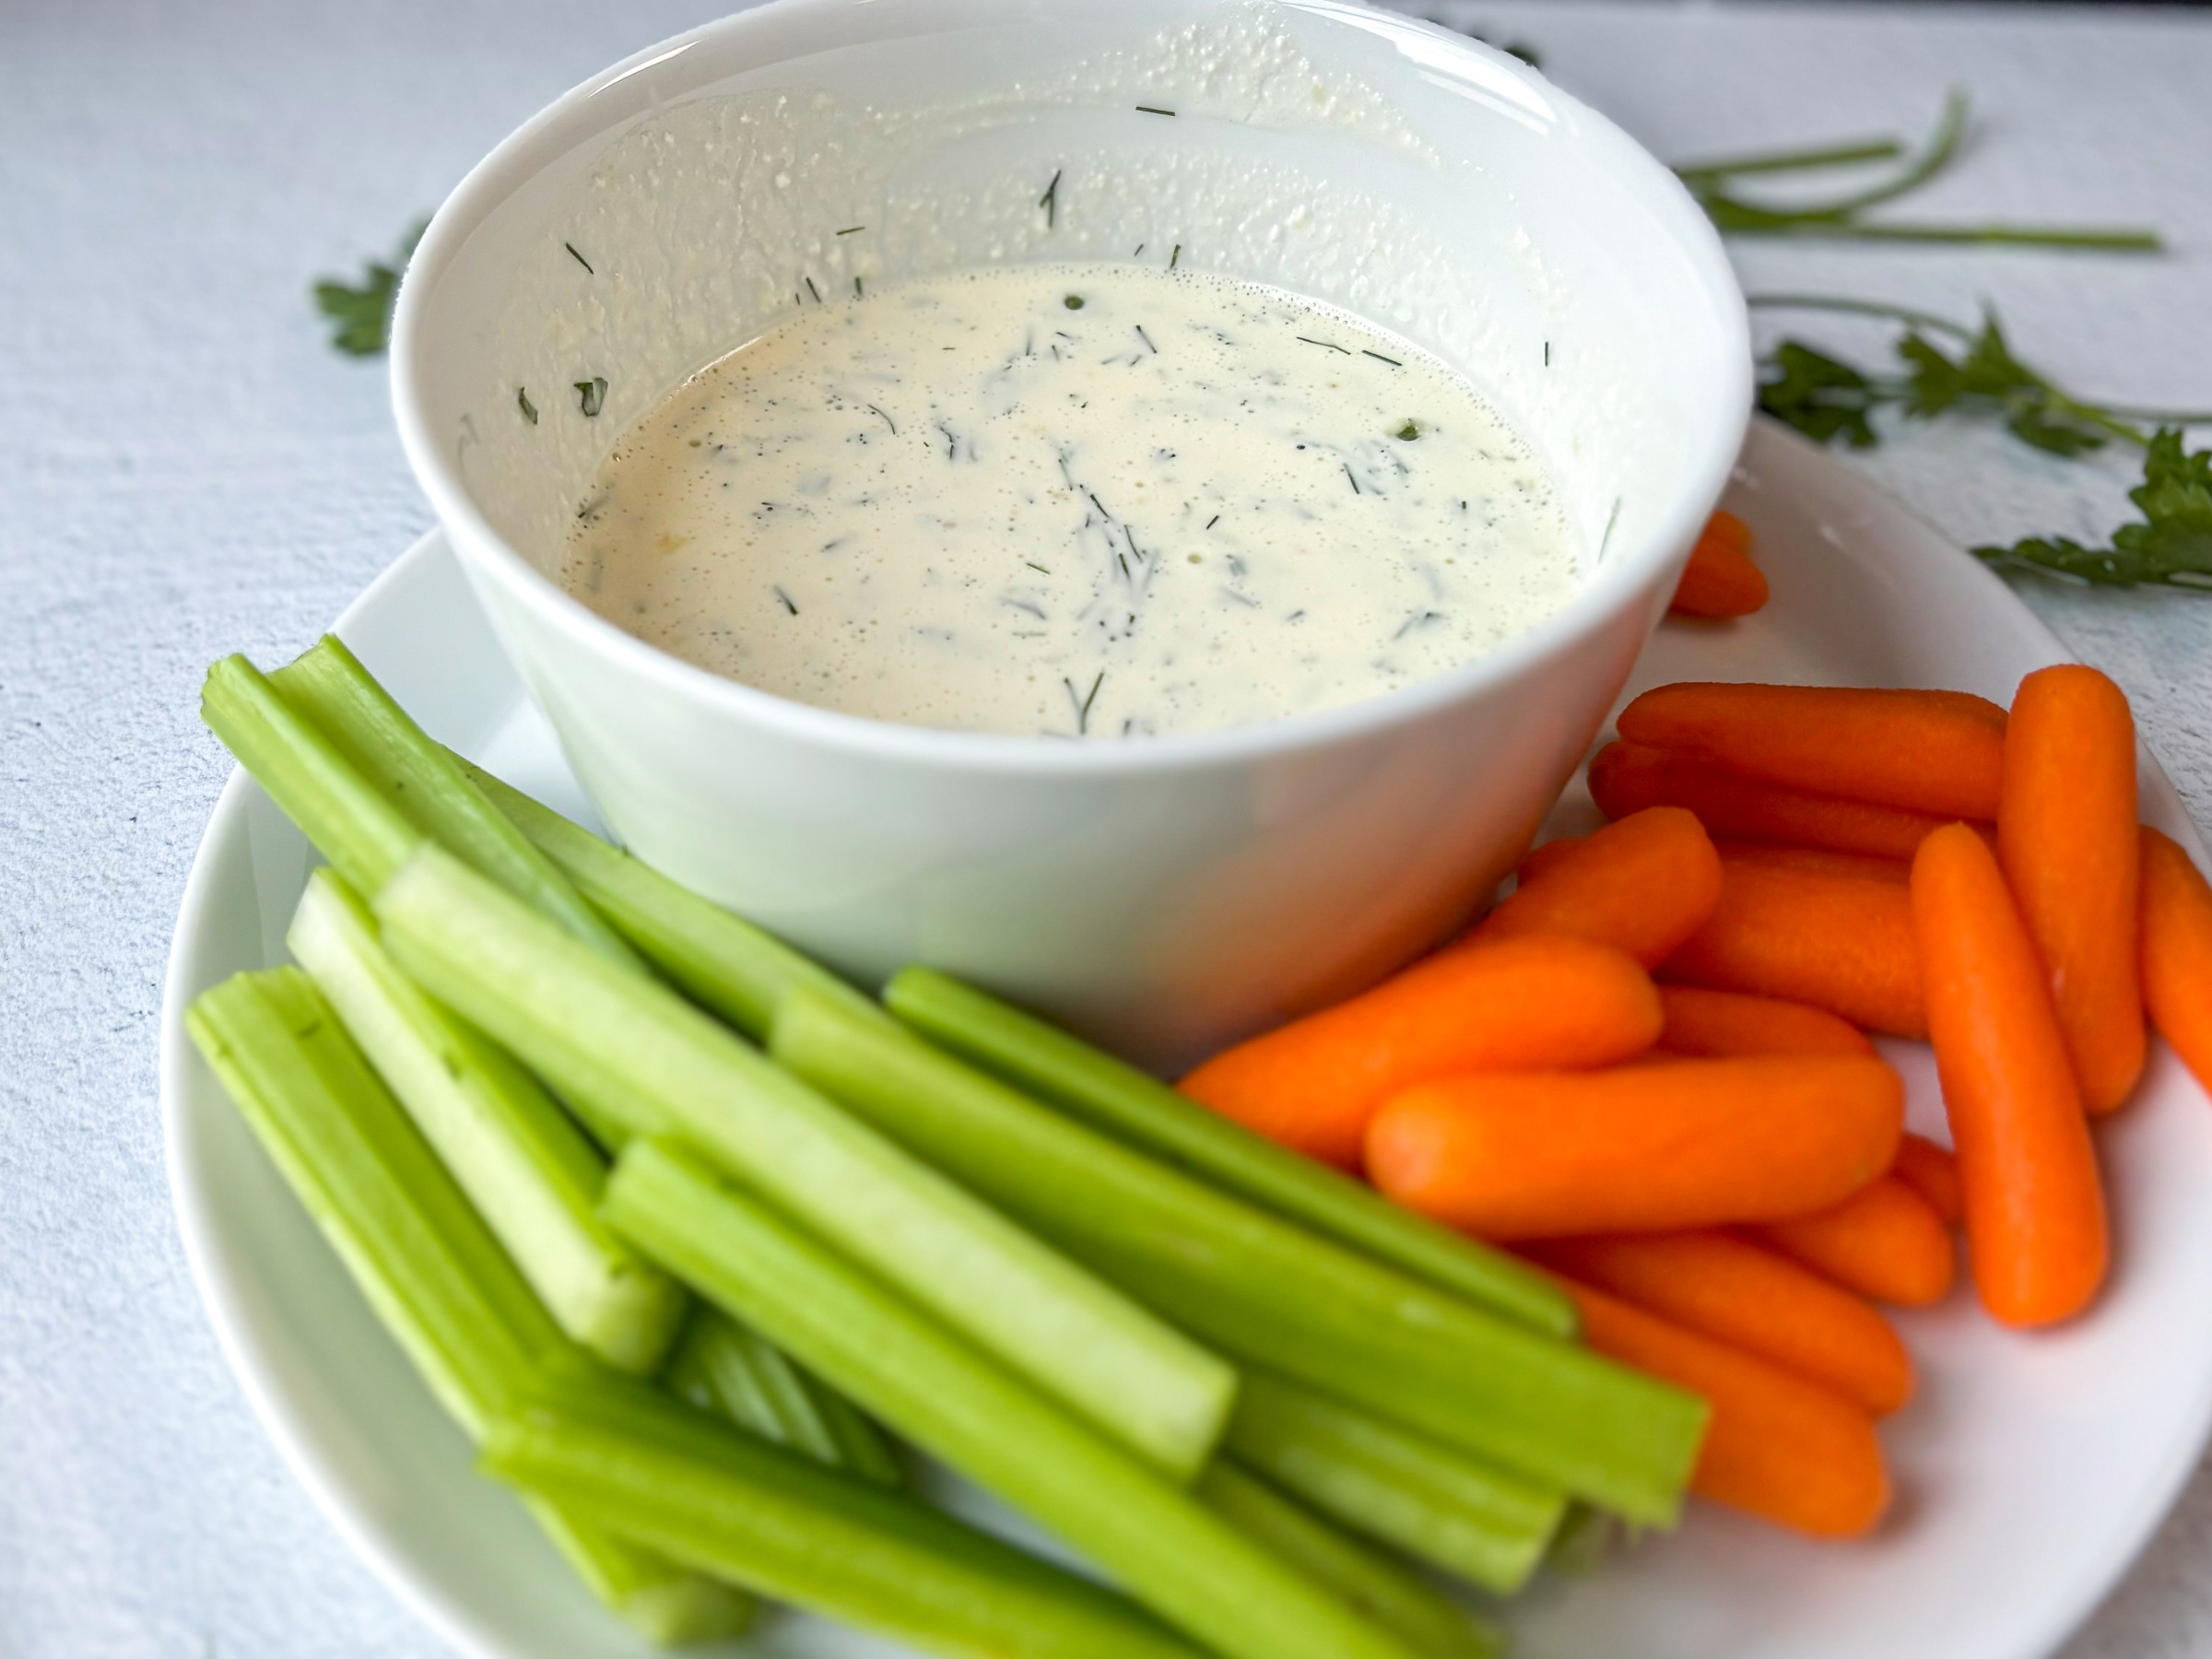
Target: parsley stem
(1862,307)
(1834,155)
(2112,238)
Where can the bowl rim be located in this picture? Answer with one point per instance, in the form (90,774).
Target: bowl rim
(1601,602)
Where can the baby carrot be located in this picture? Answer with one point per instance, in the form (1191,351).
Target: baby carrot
(2035,1222)
(1521,1005)
(1730,1289)
(1643,886)
(1885,1242)
(2177,952)
(2066,837)
(1780,1447)
(1867,866)
(1834,941)
(1719,579)
(1931,1171)
(1640,1148)
(1628,777)
(1727,1022)
(1548,857)
(1938,752)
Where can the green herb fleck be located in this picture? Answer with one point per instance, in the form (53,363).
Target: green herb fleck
(785,599)
(1176,256)
(1325,345)
(1381,359)
(1149,109)
(1073,302)
(1409,431)
(591,395)
(856,286)
(580,259)
(362,312)
(1050,200)
(522,402)
(1082,706)
(815,291)
(852,229)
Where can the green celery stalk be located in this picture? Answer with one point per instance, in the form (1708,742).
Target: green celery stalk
(668,1602)
(1262,1289)
(1433,1502)
(1375,1585)
(430,1269)
(723,1367)
(947,1398)
(359,831)
(519,1158)
(425,783)
(638,1051)
(1112,1096)
(719,959)
(731,1504)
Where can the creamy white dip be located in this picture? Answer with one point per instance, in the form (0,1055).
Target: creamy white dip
(1096,501)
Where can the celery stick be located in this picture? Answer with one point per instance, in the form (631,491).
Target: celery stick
(666,1602)
(1373,1582)
(430,1269)
(1063,1071)
(1262,1289)
(952,1400)
(720,960)
(723,1367)
(637,1049)
(425,783)
(517,1155)
(359,831)
(1436,1505)
(879,1561)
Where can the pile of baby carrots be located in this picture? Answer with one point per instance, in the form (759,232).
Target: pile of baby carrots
(1648,1069)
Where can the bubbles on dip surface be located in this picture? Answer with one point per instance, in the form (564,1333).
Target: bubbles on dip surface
(1076,501)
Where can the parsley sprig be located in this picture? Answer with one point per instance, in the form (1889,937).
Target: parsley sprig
(1947,367)
(1713,184)
(361,312)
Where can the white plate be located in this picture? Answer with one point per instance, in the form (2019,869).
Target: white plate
(2031,1468)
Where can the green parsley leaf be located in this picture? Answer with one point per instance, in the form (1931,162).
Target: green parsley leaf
(1817,394)
(2172,546)
(362,312)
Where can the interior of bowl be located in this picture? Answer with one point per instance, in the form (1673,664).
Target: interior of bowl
(688,200)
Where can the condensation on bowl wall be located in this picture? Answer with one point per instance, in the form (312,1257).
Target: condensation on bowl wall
(1164,894)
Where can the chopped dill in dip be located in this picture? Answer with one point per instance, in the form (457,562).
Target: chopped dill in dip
(1073,500)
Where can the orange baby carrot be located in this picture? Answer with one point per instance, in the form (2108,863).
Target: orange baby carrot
(1520,1005)
(2035,1224)
(1819,860)
(1938,752)
(1643,886)
(1931,1171)
(1640,1148)
(1727,1022)
(1885,1242)
(1730,1289)
(2066,837)
(1720,579)
(1834,941)
(1778,1446)
(2177,952)
(1548,857)
(1628,777)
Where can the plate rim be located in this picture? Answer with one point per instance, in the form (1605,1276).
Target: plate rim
(2098,1574)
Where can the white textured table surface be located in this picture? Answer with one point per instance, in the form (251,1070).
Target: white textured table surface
(186,469)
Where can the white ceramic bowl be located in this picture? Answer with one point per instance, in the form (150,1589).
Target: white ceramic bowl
(1167,894)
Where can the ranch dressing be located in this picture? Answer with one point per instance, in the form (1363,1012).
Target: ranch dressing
(1074,501)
